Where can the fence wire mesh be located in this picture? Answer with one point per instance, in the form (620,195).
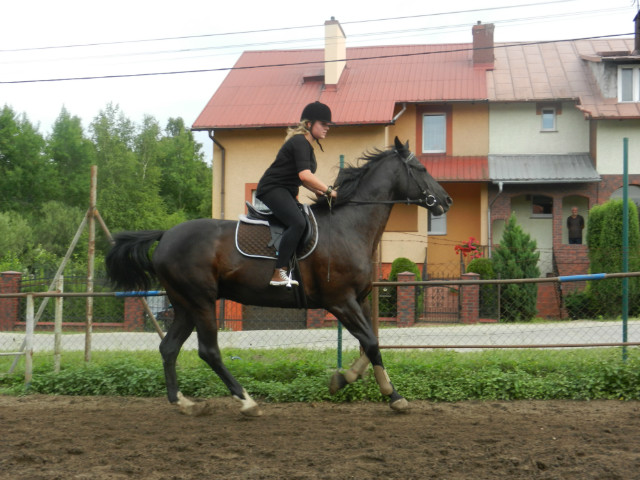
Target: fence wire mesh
(547,314)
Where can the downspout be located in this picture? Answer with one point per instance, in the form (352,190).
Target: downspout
(393,122)
(500,186)
(223,152)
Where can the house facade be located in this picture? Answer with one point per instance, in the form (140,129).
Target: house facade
(531,128)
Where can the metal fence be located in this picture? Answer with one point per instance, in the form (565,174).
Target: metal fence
(589,312)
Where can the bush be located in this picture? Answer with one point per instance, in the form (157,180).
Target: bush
(400,265)
(516,257)
(488,293)
(580,305)
(605,255)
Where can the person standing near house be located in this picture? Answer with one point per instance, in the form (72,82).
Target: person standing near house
(295,165)
(575,225)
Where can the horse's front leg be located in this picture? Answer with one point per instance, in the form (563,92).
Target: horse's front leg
(340,380)
(355,317)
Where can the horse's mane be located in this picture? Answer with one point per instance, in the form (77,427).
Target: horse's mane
(349,177)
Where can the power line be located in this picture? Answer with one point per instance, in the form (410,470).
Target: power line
(279,29)
(317,62)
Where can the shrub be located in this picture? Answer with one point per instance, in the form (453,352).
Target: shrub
(516,257)
(488,293)
(400,265)
(605,255)
(580,305)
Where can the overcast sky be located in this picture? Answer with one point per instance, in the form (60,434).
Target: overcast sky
(42,41)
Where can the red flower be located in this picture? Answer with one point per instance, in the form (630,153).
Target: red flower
(469,248)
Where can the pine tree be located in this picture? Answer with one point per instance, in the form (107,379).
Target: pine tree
(516,257)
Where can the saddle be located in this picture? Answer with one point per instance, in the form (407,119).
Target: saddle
(259,232)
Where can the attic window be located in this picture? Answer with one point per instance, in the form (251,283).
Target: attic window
(313,78)
(548,113)
(629,84)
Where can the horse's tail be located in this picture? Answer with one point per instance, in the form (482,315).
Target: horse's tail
(128,262)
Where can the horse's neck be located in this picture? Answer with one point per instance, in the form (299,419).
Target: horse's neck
(363,225)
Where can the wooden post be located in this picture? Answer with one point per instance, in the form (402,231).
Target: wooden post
(91,263)
(28,351)
(57,326)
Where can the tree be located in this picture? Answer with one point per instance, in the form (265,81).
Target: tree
(128,191)
(516,257)
(15,234)
(25,174)
(72,154)
(186,178)
(55,225)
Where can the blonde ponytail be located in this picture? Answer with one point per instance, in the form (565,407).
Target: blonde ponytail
(299,129)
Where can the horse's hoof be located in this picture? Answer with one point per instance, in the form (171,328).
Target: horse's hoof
(249,406)
(254,411)
(337,382)
(400,405)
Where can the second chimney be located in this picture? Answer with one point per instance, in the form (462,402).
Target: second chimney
(335,48)
(483,44)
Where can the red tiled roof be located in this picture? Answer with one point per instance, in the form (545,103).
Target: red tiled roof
(457,169)
(374,80)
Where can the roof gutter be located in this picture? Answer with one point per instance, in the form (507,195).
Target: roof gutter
(500,187)
(223,155)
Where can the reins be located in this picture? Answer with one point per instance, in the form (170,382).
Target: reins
(428,200)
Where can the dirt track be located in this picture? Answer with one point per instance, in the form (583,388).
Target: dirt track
(43,437)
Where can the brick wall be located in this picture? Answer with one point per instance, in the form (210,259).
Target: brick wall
(9,307)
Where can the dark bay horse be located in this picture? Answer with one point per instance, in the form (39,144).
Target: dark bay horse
(197,263)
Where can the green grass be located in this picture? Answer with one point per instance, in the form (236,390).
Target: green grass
(291,375)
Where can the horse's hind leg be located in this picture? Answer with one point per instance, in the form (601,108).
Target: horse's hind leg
(209,351)
(170,345)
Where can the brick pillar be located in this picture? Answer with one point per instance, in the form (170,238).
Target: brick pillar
(9,307)
(315,318)
(133,314)
(470,299)
(406,307)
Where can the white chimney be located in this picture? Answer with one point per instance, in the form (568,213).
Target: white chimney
(335,48)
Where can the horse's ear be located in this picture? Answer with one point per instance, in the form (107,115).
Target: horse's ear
(399,145)
(406,145)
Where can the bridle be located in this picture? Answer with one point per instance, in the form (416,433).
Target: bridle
(427,200)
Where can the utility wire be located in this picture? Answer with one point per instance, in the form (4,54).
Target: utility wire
(317,62)
(282,29)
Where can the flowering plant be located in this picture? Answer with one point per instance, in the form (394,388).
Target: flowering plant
(469,249)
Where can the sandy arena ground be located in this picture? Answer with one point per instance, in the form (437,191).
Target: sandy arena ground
(48,437)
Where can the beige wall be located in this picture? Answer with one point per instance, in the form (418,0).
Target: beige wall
(470,129)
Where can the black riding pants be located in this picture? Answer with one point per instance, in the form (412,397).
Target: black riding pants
(285,207)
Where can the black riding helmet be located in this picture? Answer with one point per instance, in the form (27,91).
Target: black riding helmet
(316,111)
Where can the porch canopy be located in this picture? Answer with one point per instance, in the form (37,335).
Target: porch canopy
(544,168)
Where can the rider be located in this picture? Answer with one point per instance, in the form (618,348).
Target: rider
(295,165)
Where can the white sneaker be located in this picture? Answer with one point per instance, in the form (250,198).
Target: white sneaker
(285,279)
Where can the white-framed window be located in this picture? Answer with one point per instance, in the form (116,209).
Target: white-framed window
(437,225)
(548,115)
(629,83)
(434,133)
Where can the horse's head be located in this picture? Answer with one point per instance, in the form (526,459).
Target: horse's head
(422,188)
